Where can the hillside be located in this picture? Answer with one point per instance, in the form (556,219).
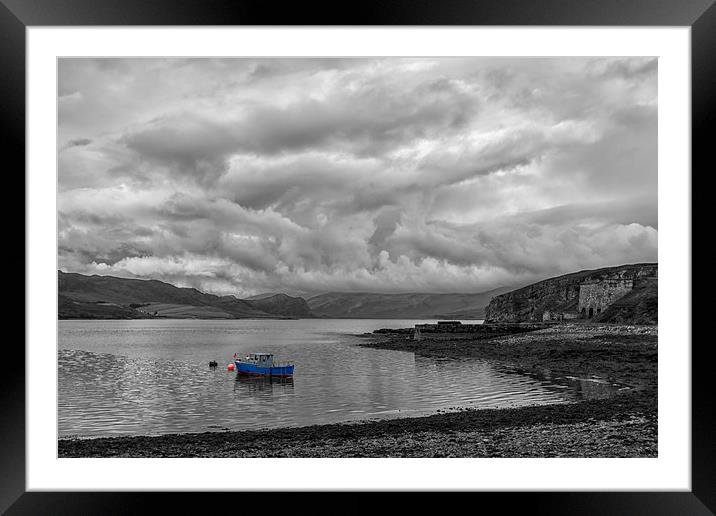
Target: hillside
(640,306)
(401,306)
(68,308)
(109,297)
(561,294)
(282,304)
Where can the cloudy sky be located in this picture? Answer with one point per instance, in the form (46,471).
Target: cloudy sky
(244,176)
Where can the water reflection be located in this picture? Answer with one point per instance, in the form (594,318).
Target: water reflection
(254,384)
(140,378)
(581,388)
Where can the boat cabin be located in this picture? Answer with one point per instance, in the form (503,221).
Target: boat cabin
(260,359)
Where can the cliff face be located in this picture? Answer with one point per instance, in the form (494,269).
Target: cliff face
(561,294)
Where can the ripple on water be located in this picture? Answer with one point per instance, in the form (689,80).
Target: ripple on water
(152,377)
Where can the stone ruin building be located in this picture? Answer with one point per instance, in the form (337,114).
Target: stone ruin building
(595,296)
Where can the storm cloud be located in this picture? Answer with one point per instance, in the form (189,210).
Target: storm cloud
(244,176)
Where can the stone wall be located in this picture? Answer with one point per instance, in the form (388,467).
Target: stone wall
(596,296)
(558,316)
(466,331)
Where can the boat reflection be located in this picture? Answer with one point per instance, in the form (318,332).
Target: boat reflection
(263,384)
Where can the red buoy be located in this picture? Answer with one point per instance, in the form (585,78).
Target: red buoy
(231,367)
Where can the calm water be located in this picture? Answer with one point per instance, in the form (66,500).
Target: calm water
(152,377)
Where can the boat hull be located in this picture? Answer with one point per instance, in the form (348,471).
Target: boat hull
(254,370)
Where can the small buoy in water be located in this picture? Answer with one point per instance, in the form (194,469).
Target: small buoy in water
(231,367)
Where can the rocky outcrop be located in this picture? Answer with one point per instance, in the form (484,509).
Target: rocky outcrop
(561,295)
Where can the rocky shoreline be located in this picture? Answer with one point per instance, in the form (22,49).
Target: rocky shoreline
(625,354)
(624,425)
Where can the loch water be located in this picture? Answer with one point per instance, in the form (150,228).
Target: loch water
(150,377)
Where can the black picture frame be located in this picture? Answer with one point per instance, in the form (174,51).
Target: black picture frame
(17,15)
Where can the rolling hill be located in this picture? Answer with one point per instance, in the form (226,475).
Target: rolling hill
(109,297)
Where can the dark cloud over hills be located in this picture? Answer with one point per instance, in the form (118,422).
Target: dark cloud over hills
(243,176)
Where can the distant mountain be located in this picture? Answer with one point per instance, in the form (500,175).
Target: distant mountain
(261,296)
(109,297)
(281,304)
(401,306)
(561,295)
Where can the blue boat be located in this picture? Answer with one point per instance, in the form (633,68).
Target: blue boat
(262,364)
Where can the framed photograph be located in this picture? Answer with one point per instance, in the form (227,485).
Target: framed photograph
(412,249)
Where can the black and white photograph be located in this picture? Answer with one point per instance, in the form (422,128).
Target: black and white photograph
(333,257)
